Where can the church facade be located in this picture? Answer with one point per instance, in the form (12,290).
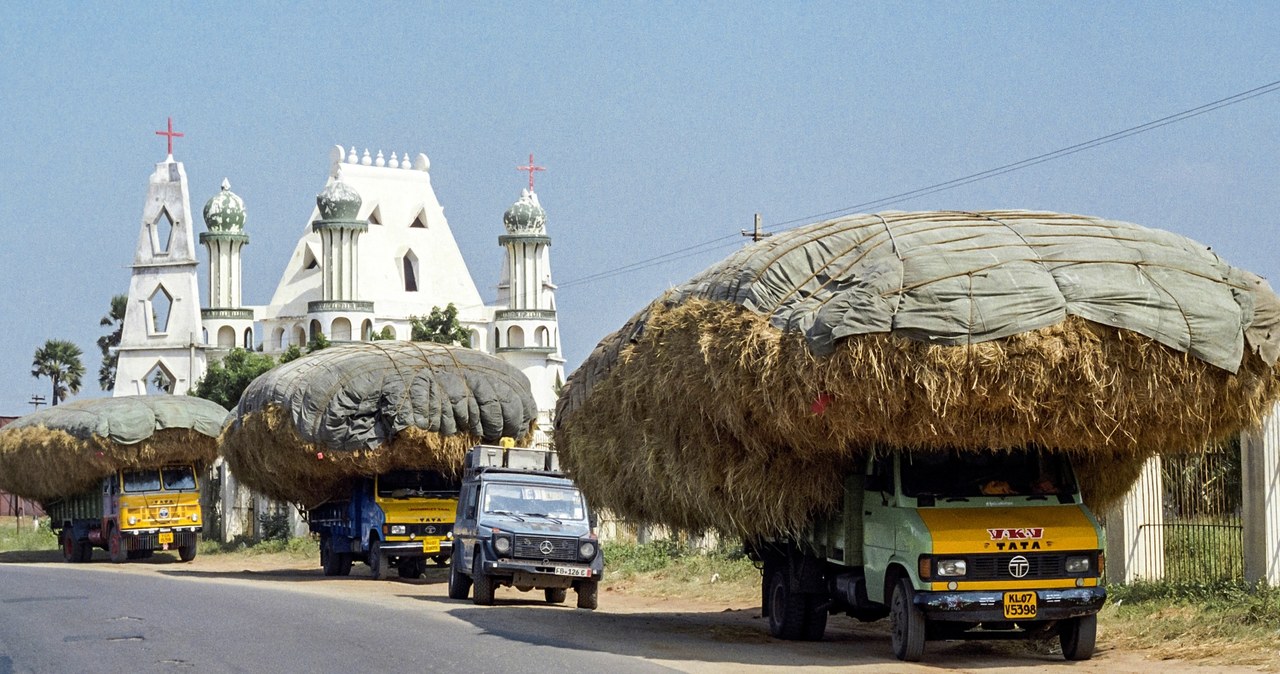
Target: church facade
(375,251)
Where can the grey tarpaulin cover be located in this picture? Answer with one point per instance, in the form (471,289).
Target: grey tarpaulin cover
(128,420)
(360,395)
(955,278)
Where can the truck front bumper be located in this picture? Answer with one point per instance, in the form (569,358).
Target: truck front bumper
(415,548)
(988,606)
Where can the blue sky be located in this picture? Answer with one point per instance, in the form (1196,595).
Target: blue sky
(662,126)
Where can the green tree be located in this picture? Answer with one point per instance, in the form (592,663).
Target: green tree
(317,342)
(59,360)
(386,333)
(441,327)
(226,380)
(115,319)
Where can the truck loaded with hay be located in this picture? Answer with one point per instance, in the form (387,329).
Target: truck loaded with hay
(834,394)
(369,438)
(116,473)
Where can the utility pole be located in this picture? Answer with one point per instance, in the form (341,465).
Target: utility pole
(36,401)
(756,234)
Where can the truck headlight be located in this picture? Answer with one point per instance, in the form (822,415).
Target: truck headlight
(133,520)
(587,550)
(502,544)
(397,529)
(951,568)
(1078,564)
(195,517)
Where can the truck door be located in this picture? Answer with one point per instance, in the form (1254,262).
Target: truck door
(879,535)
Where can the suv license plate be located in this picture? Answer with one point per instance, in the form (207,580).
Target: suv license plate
(165,537)
(1020,605)
(571,571)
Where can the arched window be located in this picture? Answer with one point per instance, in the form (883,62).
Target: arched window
(515,337)
(409,265)
(277,338)
(340,331)
(315,329)
(160,303)
(366,330)
(299,336)
(248,338)
(541,336)
(226,337)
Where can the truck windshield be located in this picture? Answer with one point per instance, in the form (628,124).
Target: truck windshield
(419,483)
(969,474)
(560,503)
(177,478)
(141,480)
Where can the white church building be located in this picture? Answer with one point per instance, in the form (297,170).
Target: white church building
(375,251)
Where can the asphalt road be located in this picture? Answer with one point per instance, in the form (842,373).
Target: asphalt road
(84,619)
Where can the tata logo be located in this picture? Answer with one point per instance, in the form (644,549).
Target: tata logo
(1019,567)
(1016,534)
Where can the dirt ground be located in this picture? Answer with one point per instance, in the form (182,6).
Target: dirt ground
(686,635)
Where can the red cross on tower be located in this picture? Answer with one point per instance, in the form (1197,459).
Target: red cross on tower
(172,134)
(531,168)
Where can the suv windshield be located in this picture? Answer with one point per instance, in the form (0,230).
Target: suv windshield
(962,475)
(560,503)
(407,483)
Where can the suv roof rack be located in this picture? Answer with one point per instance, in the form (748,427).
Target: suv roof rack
(483,458)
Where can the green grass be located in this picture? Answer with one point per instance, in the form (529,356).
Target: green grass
(302,547)
(20,536)
(671,569)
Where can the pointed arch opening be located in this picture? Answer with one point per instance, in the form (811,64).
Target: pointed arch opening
(159,380)
(159,306)
(420,220)
(409,269)
(161,232)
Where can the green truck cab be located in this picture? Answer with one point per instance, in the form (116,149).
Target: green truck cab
(948,546)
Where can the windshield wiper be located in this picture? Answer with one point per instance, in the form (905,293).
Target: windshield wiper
(508,513)
(544,517)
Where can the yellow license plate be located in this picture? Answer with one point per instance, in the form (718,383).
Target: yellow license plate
(1020,605)
(165,537)
(430,547)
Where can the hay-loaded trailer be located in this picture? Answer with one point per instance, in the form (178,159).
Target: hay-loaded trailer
(951,546)
(398,519)
(131,514)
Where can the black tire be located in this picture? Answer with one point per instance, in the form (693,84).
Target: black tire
(330,560)
(815,619)
(907,624)
(345,560)
(84,550)
(115,546)
(440,560)
(555,595)
(379,564)
(482,583)
(786,611)
(588,594)
(459,582)
(324,555)
(1078,637)
(70,549)
(187,553)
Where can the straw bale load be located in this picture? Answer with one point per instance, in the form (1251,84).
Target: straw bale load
(302,431)
(65,450)
(740,399)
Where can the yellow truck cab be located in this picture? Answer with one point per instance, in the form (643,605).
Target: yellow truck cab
(132,514)
(954,545)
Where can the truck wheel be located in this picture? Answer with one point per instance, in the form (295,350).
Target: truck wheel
(345,560)
(459,582)
(1078,636)
(555,595)
(187,553)
(907,623)
(331,561)
(786,611)
(483,582)
(379,564)
(70,549)
(815,619)
(324,555)
(84,551)
(116,546)
(588,594)
(440,560)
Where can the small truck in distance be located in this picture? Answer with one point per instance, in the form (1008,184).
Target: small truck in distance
(948,546)
(132,513)
(522,523)
(396,520)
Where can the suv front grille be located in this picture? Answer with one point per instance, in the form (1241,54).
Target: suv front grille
(544,547)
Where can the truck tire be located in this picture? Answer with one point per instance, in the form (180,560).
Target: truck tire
(588,594)
(786,610)
(70,549)
(555,595)
(115,546)
(459,582)
(907,624)
(330,559)
(345,560)
(84,551)
(412,567)
(379,564)
(187,553)
(483,589)
(1078,637)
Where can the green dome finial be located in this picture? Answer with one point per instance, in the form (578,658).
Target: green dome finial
(338,201)
(225,211)
(526,216)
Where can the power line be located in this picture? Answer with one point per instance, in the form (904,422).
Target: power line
(722,241)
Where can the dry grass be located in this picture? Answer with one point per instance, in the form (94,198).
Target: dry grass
(708,419)
(44,464)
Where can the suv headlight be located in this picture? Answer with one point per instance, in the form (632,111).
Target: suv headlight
(950,568)
(397,529)
(1077,564)
(587,550)
(502,544)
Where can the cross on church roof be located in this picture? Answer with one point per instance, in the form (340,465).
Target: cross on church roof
(530,168)
(174,134)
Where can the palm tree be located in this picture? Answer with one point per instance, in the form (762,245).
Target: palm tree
(59,360)
(107,373)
